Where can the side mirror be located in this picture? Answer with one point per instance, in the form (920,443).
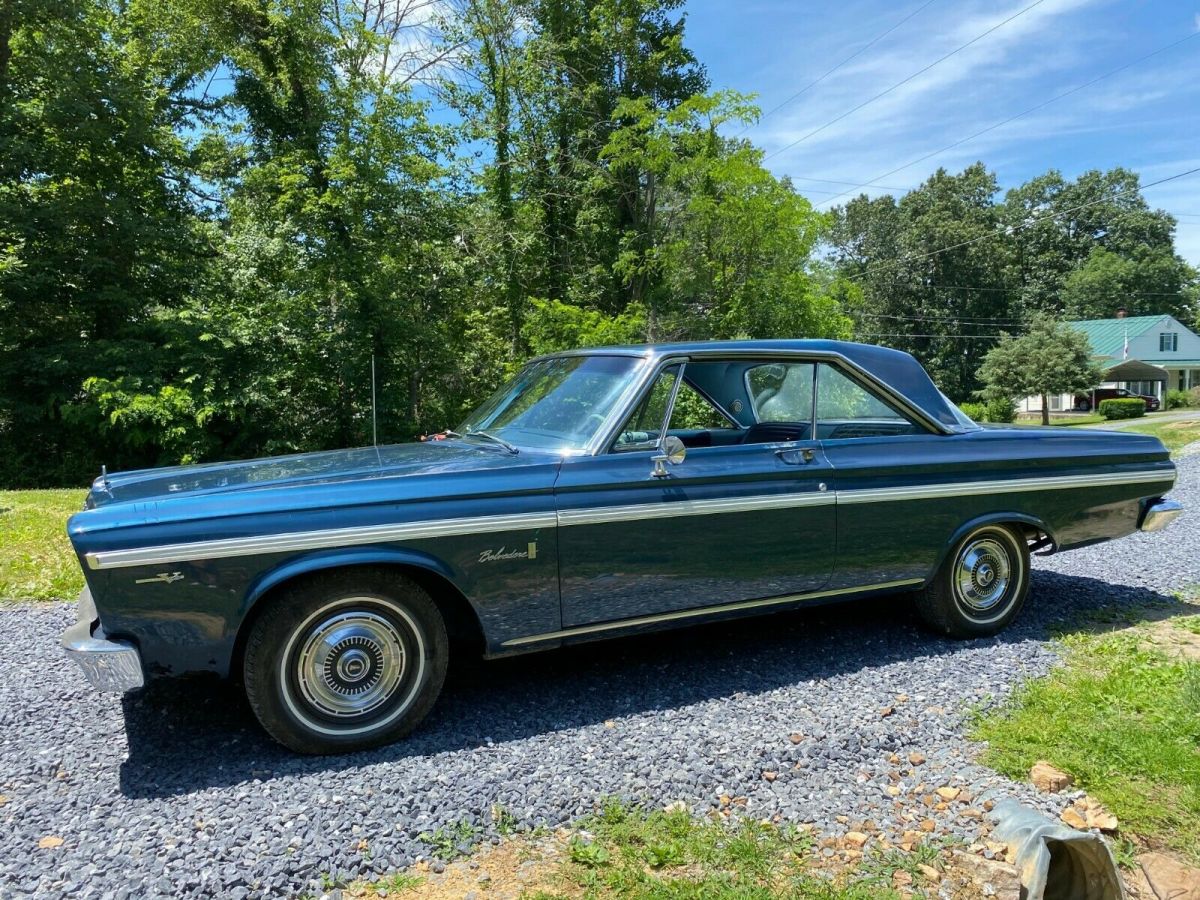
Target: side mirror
(670,450)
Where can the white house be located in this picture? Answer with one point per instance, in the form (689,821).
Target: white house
(1143,354)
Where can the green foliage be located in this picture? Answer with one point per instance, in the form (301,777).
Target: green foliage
(1122,408)
(1118,718)
(647,855)
(1177,400)
(975,411)
(1051,358)
(214,217)
(36,559)
(1000,409)
(451,841)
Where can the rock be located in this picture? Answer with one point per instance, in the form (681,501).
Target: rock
(915,758)
(893,790)
(900,878)
(1072,817)
(49,842)
(948,793)
(886,711)
(856,839)
(994,878)
(677,806)
(928,825)
(795,737)
(1101,818)
(1049,779)
(770,776)
(1169,878)
(929,872)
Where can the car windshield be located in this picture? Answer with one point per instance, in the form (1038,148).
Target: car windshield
(554,404)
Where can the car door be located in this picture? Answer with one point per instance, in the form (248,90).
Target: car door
(732,522)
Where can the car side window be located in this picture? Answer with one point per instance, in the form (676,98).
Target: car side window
(695,412)
(846,409)
(781,392)
(643,428)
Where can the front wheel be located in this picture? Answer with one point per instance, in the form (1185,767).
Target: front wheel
(980,587)
(345,661)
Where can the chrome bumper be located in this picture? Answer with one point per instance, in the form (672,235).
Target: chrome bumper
(108,665)
(1159,514)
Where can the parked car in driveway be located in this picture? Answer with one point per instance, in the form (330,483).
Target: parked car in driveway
(1092,399)
(600,493)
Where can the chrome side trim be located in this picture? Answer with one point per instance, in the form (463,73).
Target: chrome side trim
(704,611)
(1006,486)
(635,512)
(411,531)
(317,540)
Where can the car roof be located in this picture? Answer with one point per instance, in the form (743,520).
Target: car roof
(894,370)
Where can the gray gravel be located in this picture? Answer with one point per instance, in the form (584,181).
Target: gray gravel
(175,792)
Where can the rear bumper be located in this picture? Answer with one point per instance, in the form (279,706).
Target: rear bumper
(108,665)
(1158,514)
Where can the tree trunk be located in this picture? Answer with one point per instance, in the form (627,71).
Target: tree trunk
(1045,409)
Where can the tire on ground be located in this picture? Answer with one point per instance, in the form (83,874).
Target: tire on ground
(345,660)
(981,585)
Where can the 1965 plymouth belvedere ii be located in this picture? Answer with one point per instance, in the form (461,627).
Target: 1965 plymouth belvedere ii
(601,492)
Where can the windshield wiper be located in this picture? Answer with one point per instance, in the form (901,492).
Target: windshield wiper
(476,432)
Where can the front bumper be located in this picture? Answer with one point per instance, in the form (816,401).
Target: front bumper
(108,665)
(1159,514)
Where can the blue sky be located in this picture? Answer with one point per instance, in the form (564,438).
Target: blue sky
(1146,118)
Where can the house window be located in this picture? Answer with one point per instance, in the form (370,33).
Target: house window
(1168,342)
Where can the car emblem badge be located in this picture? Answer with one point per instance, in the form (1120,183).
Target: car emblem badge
(162,578)
(530,552)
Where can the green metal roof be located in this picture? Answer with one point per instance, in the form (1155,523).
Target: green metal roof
(1107,336)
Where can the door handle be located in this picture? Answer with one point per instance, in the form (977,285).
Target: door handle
(795,456)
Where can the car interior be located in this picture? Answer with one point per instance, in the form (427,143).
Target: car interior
(759,402)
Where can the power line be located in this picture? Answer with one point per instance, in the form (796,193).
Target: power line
(953,337)
(850,183)
(812,84)
(1026,112)
(1014,290)
(905,81)
(960,320)
(1034,220)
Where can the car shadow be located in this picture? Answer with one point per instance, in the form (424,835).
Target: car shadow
(187,736)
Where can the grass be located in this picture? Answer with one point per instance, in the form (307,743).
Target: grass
(624,852)
(1122,719)
(1174,434)
(1078,419)
(36,559)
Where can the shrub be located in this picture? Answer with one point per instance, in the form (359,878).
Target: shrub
(1123,408)
(975,411)
(1000,409)
(1194,394)
(1178,399)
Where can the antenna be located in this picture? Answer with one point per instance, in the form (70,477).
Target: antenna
(374,424)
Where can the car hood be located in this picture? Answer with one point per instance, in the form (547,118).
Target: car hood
(324,467)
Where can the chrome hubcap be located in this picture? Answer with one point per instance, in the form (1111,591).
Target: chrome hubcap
(350,664)
(982,574)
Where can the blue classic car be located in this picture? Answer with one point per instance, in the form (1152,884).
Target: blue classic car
(599,493)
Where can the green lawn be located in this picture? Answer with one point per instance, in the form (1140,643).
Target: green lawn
(1125,721)
(1081,419)
(1174,434)
(36,560)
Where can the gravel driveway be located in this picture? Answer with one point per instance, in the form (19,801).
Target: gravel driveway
(176,792)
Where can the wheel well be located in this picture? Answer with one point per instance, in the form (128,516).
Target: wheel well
(462,624)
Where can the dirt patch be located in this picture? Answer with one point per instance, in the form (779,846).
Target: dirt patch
(1179,637)
(512,869)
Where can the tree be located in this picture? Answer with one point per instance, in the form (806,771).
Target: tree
(1051,358)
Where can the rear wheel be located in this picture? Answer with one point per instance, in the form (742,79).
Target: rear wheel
(981,586)
(345,661)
